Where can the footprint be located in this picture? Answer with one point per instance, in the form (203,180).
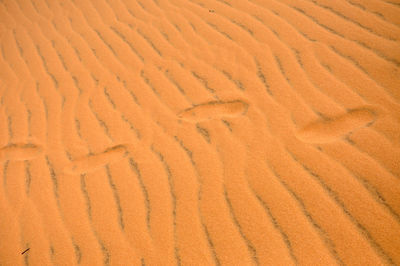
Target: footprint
(20,152)
(92,162)
(328,130)
(213,110)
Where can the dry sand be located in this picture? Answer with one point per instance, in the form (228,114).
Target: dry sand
(200,132)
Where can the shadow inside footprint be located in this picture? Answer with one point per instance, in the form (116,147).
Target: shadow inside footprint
(20,152)
(92,162)
(328,130)
(213,110)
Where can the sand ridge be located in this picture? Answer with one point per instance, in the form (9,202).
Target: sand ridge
(200,132)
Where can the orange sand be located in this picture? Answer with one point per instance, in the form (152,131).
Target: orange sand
(200,132)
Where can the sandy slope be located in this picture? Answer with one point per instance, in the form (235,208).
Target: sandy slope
(200,132)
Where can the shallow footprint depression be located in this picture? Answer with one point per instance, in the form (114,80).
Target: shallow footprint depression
(92,162)
(331,129)
(214,110)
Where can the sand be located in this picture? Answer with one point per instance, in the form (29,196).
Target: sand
(200,132)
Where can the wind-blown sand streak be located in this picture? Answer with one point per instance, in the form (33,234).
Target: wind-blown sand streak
(199,132)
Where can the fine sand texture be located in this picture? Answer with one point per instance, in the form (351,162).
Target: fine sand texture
(199,132)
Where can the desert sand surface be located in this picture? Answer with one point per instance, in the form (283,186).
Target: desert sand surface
(199,132)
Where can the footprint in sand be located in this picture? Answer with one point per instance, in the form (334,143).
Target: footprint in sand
(20,152)
(331,129)
(95,161)
(213,110)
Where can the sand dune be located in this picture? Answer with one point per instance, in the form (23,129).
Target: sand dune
(200,132)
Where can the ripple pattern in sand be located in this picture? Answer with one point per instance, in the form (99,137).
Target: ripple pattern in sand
(199,132)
